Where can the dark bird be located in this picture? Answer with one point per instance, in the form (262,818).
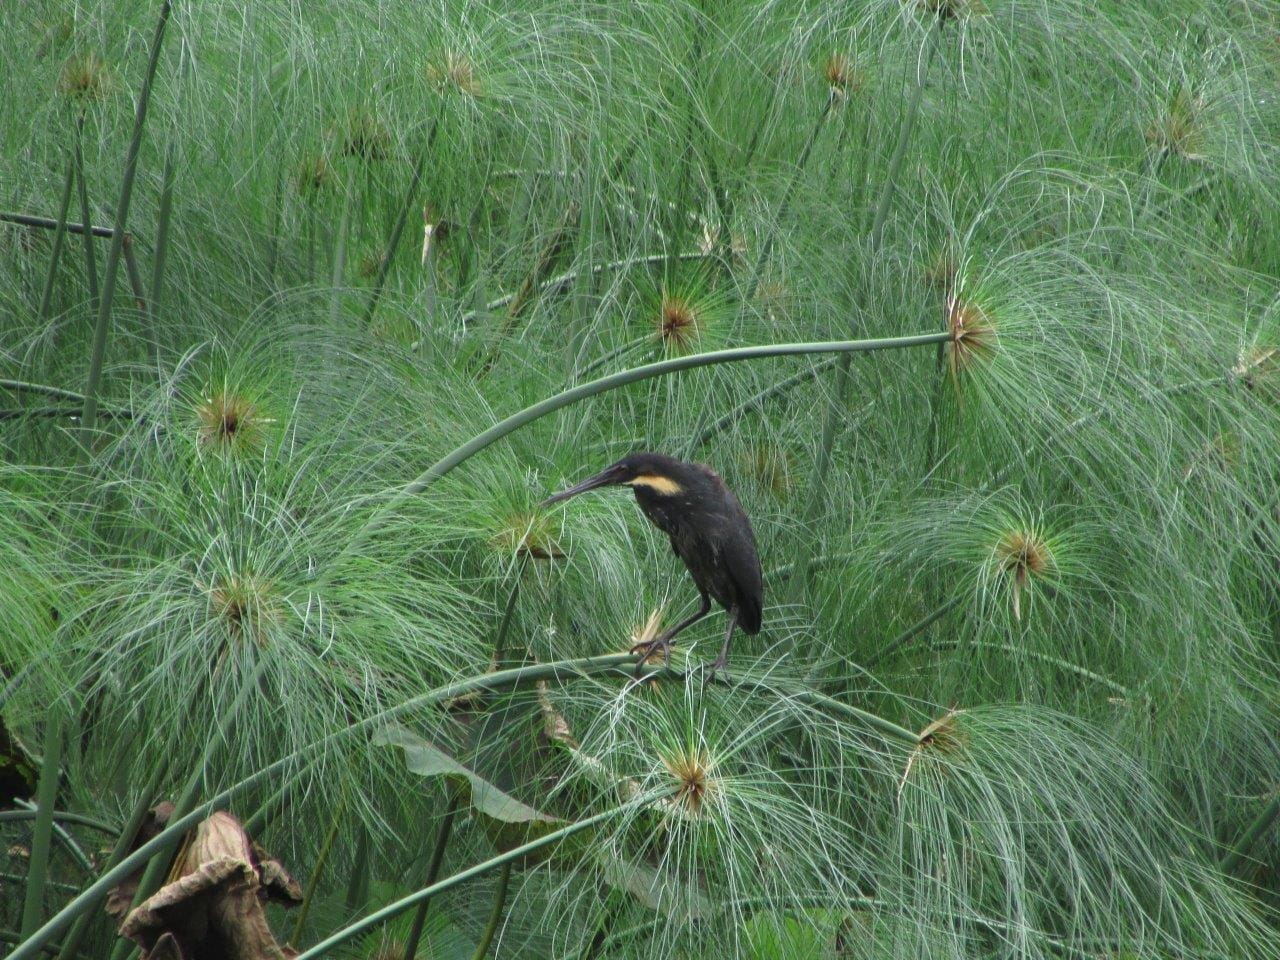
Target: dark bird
(709,531)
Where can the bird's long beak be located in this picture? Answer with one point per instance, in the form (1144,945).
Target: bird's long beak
(602,479)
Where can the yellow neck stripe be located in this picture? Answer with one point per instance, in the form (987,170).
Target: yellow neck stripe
(658,483)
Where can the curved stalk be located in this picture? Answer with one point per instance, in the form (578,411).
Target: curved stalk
(404,903)
(495,918)
(613,382)
(82,188)
(316,872)
(90,417)
(59,235)
(59,816)
(60,834)
(623,663)
(42,834)
(163,217)
(1058,662)
(433,874)
(1265,820)
(397,230)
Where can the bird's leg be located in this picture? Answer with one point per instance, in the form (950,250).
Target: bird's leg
(722,662)
(663,640)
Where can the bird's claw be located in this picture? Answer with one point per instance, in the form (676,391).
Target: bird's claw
(647,650)
(719,666)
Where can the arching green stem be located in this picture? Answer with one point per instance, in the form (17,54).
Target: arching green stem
(404,903)
(59,816)
(1265,820)
(613,382)
(495,917)
(913,631)
(71,946)
(1058,662)
(89,419)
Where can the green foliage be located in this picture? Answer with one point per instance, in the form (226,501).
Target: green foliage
(1018,686)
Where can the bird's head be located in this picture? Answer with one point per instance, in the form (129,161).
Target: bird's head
(656,472)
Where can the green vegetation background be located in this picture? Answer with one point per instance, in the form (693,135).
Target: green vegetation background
(1018,690)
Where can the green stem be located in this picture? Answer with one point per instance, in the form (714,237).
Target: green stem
(404,903)
(140,299)
(801,162)
(397,230)
(49,223)
(60,834)
(433,873)
(59,816)
(154,873)
(904,137)
(90,417)
(42,835)
(495,917)
(340,252)
(1041,657)
(316,872)
(163,218)
(913,631)
(59,235)
(357,894)
(71,946)
(21,386)
(82,188)
(757,402)
(179,825)
(613,382)
(1266,819)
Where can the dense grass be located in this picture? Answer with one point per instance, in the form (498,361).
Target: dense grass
(1019,684)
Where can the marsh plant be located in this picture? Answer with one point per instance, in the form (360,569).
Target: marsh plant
(975,304)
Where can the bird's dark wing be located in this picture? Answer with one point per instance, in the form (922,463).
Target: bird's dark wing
(738,546)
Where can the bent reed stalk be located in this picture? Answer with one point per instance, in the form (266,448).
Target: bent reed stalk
(612,382)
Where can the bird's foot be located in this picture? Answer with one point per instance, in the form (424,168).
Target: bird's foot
(719,666)
(650,649)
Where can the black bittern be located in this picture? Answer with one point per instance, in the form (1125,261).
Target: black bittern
(709,531)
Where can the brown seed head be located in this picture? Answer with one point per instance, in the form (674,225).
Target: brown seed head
(771,465)
(677,322)
(229,423)
(527,535)
(314,175)
(454,72)
(694,784)
(1024,556)
(85,77)
(1177,130)
(973,335)
(841,77)
(247,604)
(365,137)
